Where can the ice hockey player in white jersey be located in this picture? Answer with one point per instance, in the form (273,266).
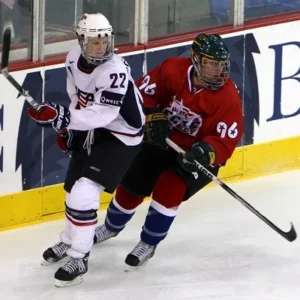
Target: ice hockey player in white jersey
(103,127)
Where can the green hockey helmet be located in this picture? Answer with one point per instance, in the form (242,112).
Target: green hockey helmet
(210,57)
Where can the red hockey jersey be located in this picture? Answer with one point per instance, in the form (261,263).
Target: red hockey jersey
(215,117)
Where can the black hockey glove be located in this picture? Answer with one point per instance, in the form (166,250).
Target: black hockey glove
(202,152)
(156,128)
(65,140)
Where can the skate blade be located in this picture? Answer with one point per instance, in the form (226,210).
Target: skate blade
(62,284)
(129,268)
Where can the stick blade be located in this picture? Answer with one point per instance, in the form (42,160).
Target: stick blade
(6,48)
(291,235)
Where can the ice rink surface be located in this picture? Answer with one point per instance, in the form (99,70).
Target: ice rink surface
(216,250)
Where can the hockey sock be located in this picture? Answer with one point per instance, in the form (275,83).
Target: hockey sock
(168,194)
(117,216)
(121,209)
(157,223)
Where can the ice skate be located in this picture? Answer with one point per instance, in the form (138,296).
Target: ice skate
(102,234)
(55,254)
(72,272)
(139,256)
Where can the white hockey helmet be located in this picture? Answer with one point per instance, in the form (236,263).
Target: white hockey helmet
(91,27)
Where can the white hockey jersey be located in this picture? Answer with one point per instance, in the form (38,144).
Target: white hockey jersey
(104,97)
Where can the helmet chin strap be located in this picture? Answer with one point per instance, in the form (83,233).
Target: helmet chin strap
(199,81)
(95,61)
(202,83)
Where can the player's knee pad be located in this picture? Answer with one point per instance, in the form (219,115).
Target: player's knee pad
(84,195)
(169,190)
(81,214)
(126,199)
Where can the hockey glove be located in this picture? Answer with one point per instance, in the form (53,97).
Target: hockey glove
(156,128)
(202,152)
(65,140)
(51,114)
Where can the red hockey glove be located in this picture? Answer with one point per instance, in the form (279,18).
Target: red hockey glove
(65,140)
(156,128)
(202,152)
(51,114)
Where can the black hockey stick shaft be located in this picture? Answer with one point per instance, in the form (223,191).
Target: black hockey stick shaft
(291,235)
(4,64)
(6,48)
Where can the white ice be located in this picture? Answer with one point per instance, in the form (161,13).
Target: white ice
(216,249)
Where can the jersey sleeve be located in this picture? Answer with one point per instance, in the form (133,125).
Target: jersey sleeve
(227,134)
(111,86)
(152,86)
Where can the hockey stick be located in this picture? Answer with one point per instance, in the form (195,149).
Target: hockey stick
(4,63)
(290,235)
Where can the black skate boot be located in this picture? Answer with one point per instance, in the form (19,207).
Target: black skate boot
(102,233)
(139,256)
(71,273)
(55,254)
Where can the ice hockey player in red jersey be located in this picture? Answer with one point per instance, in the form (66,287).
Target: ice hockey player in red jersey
(194,103)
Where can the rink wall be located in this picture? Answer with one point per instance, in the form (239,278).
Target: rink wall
(265,66)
